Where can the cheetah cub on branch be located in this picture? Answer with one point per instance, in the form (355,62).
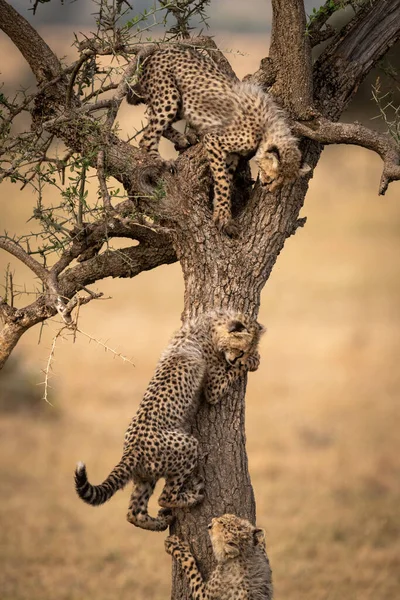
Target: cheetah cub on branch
(242,571)
(208,353)
(234,119)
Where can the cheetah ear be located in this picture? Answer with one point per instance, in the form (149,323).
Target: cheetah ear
(231,549)
(261,329)
(304,170)
(275,151)
(236,327)
(259,537)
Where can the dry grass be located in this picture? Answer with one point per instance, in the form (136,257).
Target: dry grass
(322,415)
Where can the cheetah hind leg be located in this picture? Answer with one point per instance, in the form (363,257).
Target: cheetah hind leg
(181,492)
(163,108)
(137,512)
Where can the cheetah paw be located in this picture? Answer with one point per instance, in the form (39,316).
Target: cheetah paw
(230,228)
(253,362)
(166,515)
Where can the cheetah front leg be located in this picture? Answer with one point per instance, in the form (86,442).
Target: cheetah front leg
(221,377)
(222,168)
(181,553)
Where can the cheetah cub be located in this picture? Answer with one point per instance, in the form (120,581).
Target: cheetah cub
(242,571)
(234,119)
(208,353)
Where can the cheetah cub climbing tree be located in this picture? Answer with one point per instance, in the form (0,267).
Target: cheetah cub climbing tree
(206,355)
(242,572)
(234,119)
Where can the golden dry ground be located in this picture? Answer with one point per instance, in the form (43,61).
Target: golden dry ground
(322,412)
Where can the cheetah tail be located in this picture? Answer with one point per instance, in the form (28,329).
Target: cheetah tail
(135,92)
(98,494)
(134,95)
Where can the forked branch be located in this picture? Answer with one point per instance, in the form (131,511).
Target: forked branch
(327,132)
(127,262)
(317,28)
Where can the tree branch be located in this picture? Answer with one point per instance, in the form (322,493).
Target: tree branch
(327,132)
(318,21)
(16,250)
(43,62)
(9,338)
(322,35)
(127,262)
(352,53)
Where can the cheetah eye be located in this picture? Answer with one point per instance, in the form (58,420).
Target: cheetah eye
(236,327)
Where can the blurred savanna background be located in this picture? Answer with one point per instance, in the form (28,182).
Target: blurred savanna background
(323,413)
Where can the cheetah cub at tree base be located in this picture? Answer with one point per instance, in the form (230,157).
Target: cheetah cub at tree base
(242,571)
(208,353)
(234,118)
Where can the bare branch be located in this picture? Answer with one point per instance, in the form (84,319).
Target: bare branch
(126,262)
(102,182)
(43,62)
(327,132)
(70,89)
(16,250)
(322,35)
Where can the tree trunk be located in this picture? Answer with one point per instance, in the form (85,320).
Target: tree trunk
(220,272)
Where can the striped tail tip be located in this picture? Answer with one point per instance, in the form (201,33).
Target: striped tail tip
(82,485)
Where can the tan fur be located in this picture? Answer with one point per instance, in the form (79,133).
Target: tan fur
(234,119)
(242,571)
(207,354)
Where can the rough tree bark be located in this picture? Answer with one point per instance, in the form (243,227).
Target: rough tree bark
(218,271)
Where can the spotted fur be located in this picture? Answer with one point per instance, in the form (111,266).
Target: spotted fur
(208,353)
(242,572)
(234,119)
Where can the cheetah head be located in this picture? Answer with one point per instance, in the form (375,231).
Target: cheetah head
(236,336)
(278,166)
(231,537)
